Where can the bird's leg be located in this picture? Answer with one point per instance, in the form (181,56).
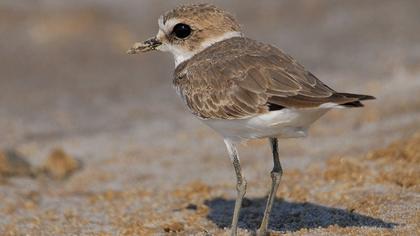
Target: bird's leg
(276,174)
(240,184)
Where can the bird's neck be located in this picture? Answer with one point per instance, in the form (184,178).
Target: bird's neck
(181,55)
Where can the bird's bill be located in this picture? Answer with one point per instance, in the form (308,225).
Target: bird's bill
(148,45)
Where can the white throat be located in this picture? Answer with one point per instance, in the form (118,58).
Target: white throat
(181,55)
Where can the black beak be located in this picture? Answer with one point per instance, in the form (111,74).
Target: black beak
(148,45)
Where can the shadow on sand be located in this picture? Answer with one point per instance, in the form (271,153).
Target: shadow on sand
(288,216)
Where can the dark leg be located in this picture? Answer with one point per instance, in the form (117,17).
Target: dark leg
(240,184)
(276,174)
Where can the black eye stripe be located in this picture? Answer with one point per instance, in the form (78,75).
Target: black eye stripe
(181,30)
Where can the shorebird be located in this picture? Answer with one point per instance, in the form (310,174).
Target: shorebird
(242,88)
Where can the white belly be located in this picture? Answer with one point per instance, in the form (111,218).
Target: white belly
(285,123)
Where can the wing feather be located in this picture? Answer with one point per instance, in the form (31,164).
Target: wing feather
(239,78)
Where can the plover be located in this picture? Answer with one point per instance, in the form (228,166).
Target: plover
(242,88)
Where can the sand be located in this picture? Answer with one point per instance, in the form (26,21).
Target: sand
(96,142)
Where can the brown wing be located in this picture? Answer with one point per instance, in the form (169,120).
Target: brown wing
(239,78)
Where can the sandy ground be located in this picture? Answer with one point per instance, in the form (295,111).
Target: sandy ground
(95,142)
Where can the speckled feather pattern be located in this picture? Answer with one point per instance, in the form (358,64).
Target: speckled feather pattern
(239,78)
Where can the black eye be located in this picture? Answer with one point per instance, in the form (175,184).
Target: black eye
(181,30)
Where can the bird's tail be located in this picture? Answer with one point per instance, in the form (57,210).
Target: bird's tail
(357,99)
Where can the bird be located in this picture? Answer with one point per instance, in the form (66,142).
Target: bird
(242,88)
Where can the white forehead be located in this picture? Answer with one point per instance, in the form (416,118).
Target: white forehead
(168,25)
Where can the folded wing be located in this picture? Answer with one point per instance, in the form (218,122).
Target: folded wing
(250,78)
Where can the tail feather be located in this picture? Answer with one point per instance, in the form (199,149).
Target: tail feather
(357,97)
(361,97)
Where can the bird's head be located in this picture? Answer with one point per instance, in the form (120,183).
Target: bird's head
(188,30)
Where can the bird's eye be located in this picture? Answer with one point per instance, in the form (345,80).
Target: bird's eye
(181,30)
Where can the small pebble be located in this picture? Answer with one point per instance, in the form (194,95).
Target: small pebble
(13,164)
(60,165)
(191,207)
(173,227)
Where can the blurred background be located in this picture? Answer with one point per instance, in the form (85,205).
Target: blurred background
(82,121)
